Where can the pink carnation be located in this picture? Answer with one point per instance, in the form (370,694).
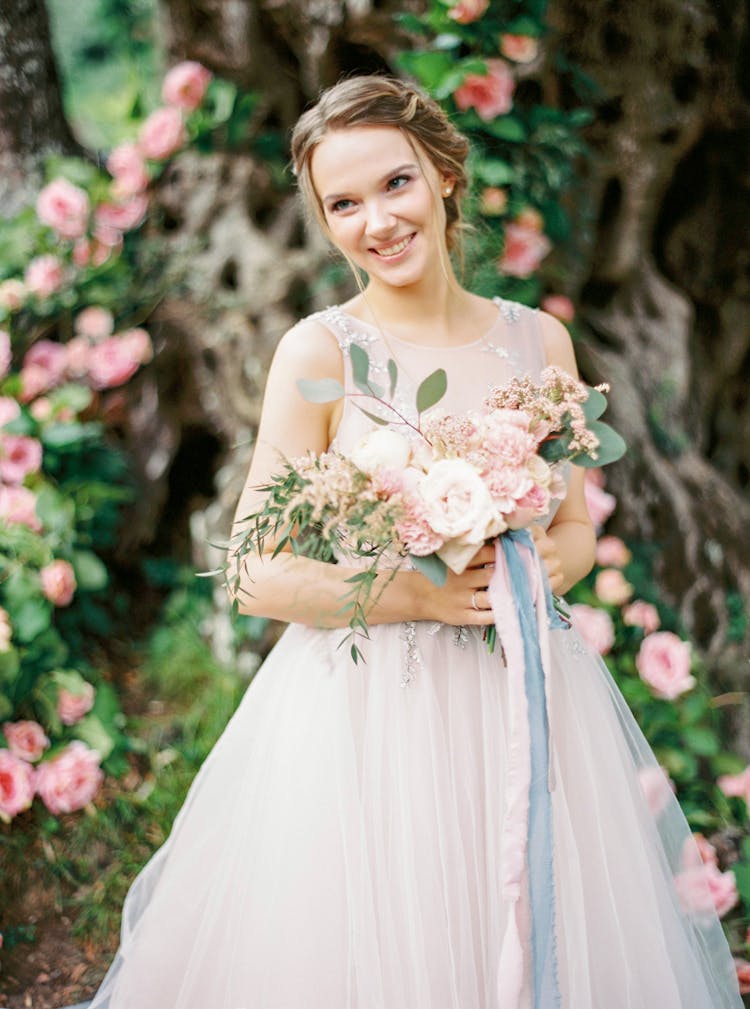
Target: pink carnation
(519,48)
(162,134)
(599,503)
(736,785)
(466,11)
(58,582)
(18,506)
(95,322)
(595,627)
(64,208)
(16,785)
(560,306)
(611,552)
(641,614)
(72,707)
(185,84)
(128,169)
(71,780)
(415,532)
(9,410)
(26,740)
(44,276)
(19,456)
(6,353)
(612,587)
(524,250)
(12,294)
(663,662)
(491,94)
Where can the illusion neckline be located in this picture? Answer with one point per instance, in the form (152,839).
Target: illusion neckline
(423,346)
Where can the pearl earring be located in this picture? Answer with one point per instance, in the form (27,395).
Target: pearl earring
(447,190)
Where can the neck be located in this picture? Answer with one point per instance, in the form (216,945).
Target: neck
(435,305)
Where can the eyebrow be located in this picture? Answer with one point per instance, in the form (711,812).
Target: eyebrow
(388,175)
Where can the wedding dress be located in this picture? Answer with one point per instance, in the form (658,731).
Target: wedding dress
(340,847)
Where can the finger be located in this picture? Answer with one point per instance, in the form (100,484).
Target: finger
(485,555)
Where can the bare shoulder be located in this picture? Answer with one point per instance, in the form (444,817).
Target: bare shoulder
(309,349)
(558,346)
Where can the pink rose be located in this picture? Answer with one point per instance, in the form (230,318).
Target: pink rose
(530,217)
(78,352)
(18,505)
(95,253)
(524,250)
(49,355)
(110,219)
(41,409)
(703,889)
(612,587)
(611,552)
(641,614)
(6,353)
(706,850)
(599,503)
(70,780)
(663,662)
(743,975)
(112,362)
(493,201)
(185,84)
(466,11)
(736,785)
(519,48)
(491,94)
(9,410)
(26,740)
(95,322)
(560,306)
(162,134)
(58,582)
(138,344)
(64,208)
(657,788)
(6,630)
(72,707)
(12,294)
(44,276)
(16,785)
(128,169)
(34,381)
(19,456)
(594,625)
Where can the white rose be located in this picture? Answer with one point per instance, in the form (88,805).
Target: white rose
(539,470)
(459,508)
(379,450)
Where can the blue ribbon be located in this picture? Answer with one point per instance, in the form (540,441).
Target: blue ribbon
(540,864)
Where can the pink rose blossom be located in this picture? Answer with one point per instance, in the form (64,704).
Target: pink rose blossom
(72,707)
(466,11)
(491,94)
(19,456)
(743,975)
(48,355)
(12,294)
(162,134)
(95,253)
(6,630)
(16,785)
(657,788)
(641,614)
(41,409)
(493,201)
(663,662)
(58,582)
(736,785)
(524,250)
(530,217)
(64,208)
(6,354)
(138,344)
(560,306)
(70,780)
(599,503)
(111,219)
(612,587)
(44,276)
(26,740)
(706,850)
(18,506)
(9,410)
(34,381)
(611,552)
(519,48)
(185,85)
(78,352)
(128,169)
(111,363)
(95,322)
(595,627)
(703,889)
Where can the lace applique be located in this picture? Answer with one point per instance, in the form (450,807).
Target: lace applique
(460,636)
(510,310)
(573,646)
(412,658)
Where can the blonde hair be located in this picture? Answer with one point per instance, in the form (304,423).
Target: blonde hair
(375,100)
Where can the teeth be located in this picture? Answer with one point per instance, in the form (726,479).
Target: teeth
(393,250)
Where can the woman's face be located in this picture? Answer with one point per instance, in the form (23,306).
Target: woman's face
(379,203)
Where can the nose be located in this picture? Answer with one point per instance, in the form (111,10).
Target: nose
(380,221)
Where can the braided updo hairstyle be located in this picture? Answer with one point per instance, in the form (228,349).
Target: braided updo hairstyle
(375,100)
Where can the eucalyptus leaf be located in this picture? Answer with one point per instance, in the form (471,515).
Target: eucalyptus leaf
(611,446)
(595,405)
(322,390)
(372,416)
(431,390)
(431,567)
(393,377)
(360,366)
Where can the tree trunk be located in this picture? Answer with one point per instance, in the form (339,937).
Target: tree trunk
(32,121)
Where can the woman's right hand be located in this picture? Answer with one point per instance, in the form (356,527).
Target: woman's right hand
(463,599)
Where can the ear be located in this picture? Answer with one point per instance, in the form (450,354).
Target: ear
(447,185)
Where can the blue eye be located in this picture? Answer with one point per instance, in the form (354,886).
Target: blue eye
(340,205)
(398,182)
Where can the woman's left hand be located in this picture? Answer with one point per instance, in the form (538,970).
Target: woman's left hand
(547,550)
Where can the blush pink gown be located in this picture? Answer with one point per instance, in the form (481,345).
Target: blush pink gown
(339,848)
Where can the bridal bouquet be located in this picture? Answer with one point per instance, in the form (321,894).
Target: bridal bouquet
(434,491)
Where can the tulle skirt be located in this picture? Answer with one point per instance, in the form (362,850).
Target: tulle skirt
(339,849)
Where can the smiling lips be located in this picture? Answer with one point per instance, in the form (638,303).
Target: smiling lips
(390,251)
